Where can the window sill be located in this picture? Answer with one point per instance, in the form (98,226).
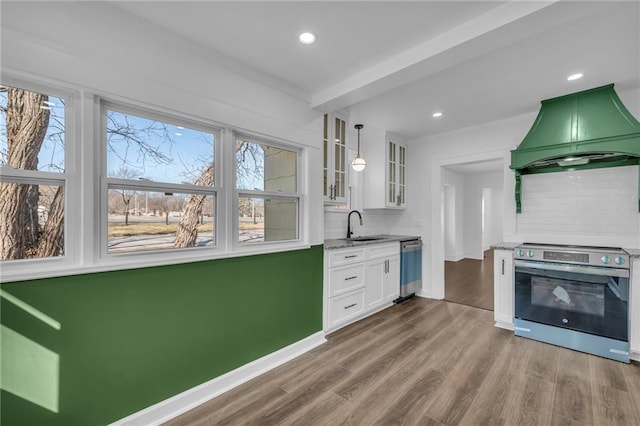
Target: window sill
(61,267)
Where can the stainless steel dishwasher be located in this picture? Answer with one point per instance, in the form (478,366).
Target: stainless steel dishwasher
(410,268)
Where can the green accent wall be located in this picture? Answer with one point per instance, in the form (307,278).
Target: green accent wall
(129,339)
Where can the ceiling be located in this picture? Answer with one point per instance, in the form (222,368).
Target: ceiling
(395,63)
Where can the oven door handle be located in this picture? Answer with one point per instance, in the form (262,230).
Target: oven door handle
(591,270)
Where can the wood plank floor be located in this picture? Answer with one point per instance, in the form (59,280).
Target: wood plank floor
(470,281)
(430,362)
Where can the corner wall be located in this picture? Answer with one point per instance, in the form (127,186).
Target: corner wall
(484,142)
(473,226)
(454,208)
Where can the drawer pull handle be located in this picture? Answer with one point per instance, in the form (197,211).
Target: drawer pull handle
(351,256)
(351,306)
(351,278)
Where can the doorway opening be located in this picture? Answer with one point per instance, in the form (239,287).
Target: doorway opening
(472,208)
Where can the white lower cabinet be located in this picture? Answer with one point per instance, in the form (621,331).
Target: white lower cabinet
(345,279)
(391,285)
(503,283)
(359,282)
(345,307)
(634,311)
(383,281)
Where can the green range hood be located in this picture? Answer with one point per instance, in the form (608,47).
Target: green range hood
(584,130)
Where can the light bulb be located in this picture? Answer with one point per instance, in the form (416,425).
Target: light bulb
(358,164)
(307,38)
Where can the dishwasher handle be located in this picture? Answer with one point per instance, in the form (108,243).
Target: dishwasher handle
(411,245)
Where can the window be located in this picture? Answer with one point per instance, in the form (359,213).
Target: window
(33,178)
(267,192)
(157,194)
(161,182)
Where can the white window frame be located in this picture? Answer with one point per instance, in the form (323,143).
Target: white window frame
(85,185)
(107,183)
(67,179)
(238,193)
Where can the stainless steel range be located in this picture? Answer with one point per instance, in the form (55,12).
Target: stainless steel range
(574,296)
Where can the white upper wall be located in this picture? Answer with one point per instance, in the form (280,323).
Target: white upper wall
(474,233)
(93,48)
(102,48)
(453,214)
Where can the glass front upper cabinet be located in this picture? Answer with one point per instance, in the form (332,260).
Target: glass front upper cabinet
(334,160)
(396,174)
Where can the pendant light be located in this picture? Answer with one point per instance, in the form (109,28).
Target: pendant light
(358,164)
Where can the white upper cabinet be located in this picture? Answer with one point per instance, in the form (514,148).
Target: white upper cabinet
(335,160)
(396,173)
(386,175)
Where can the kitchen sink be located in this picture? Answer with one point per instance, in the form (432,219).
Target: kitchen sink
(365,239)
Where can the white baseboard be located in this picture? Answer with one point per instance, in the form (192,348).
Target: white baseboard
(473,255)
(169,408)
(453,257)
(427,294)
(422,293)
(505,325)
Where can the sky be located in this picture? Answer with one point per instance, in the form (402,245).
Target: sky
(184,152)
(51,157)
(140,148)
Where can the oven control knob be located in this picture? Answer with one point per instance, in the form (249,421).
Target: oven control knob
(530,253)
(520,253)
(619,260)
(605,259)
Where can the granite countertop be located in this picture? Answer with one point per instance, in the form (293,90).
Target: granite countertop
(633,252)
(505,246)
(339,243)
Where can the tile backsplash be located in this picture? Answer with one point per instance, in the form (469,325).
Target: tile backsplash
(597,206)
(375,222)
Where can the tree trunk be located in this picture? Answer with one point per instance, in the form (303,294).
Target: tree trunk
(11,218)
(187,231)
(51,241)
(126,202)
(30,229)
(27,125)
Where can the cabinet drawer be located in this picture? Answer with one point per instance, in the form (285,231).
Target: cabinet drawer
(383,250)
(345,279)
(345,257)
(342,308)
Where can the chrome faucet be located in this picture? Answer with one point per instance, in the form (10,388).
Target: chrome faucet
(349,232)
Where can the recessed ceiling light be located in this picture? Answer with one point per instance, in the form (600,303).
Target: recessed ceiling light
(307,38)
(436,114)
(575,76)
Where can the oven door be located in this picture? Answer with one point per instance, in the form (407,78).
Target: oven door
(588,299)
